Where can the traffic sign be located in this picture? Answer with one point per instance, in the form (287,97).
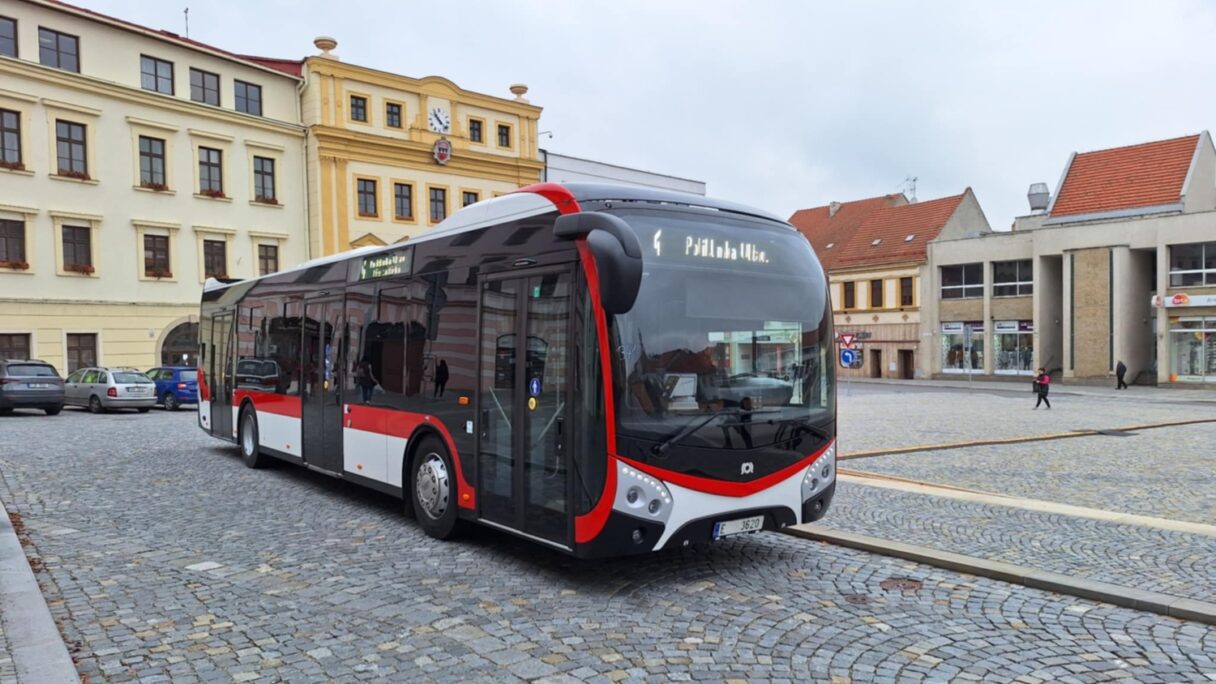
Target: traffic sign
(848,357)
(846,339)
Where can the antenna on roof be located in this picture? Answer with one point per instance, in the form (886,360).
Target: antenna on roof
(187,13)
(910,186)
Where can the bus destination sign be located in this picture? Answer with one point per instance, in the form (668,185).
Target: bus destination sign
(396,262)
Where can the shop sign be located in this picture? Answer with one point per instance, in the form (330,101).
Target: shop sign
(1183,299)
(952,328)
(1006,326)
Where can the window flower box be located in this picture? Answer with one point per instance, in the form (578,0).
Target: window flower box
(159,274)
(77,175)
(213,194)
(218,276)
(262,199)
(15,265)
(12,166)
(86,269)
(158,187)
(366,215)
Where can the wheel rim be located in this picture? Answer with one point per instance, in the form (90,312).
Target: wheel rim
(170,402)
(95,404)
(247,444)
(431,486)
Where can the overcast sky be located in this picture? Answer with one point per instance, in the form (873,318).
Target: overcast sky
(787,104)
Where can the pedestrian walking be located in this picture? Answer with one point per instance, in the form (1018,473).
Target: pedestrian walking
(441,378)
(366,379)
(1120,372)
(1042,382)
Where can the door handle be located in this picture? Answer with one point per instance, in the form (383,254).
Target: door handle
(559,436)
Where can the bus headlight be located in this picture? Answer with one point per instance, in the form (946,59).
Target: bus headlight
(641,495)
(820,474)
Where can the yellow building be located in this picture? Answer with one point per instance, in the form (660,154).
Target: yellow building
(391,156)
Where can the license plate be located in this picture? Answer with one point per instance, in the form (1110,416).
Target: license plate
(725,529)
(37,385)
(137,390)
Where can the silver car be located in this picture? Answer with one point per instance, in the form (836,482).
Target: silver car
(102,389)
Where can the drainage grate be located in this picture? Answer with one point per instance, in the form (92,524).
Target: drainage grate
(856,598)
(900,584)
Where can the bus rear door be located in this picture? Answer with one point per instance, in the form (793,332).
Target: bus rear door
(524,391)
(219,374)
(322,367)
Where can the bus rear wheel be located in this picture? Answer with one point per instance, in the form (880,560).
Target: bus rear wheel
(250,453)
(432,488)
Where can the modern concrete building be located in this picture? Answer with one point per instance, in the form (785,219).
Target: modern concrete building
(560,168)
(390,156)
(1120,264)
(134,164)
(874,251)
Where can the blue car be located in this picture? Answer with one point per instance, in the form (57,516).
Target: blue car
(175,385)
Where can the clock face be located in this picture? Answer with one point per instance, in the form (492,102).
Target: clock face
(439,120)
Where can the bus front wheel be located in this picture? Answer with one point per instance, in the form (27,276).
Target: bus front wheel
(432,488)
(250,453)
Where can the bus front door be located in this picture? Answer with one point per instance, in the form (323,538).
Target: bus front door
(219,372)
(322,368)
(524,389)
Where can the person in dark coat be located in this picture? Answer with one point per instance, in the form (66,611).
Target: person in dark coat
(1120,372)
(441,377)
(1042,382)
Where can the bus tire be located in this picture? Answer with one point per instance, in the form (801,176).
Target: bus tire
(248,439)
(432,488)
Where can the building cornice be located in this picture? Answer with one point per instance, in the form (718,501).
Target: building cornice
(101,87)
(346,145)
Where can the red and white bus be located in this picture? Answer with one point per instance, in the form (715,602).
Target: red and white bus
(601,369)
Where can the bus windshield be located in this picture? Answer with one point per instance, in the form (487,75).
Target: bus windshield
(728,344)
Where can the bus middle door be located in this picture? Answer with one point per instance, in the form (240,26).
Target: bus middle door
(322,370)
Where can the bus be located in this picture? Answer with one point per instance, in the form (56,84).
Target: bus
(601,369)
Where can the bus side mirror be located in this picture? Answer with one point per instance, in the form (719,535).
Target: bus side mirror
(618,255)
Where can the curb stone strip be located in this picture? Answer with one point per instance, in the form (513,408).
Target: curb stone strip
(38,652)
(1127,597)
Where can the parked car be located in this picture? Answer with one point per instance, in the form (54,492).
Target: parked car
(30,384)
(101,389)
(175,385)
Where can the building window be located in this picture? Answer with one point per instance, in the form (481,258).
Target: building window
(876,294)
(1193,264)
(403,201)
(152,163)
(467,198)
(205,87)
(504,135)
(249,98)
(268,259)
(1192,345)
(215,259)
(358,108)
(77,249)
(475,132)
(963,281)
(8,37)
(392,115)
(10,139)
(58,50)
(850,295)
(156,75)
(905,292)
(963,347)
(367,197)
(439,204)
(1012,278)
(70,149)
(210,172)
(82,351)
(1013,348)
(12,243)
(263,180)
(14,346)
(156,256)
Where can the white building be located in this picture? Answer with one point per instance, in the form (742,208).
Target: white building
(135,164)
(560,168)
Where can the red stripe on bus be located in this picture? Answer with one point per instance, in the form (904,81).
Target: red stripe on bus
(556,193)
(720,487)
(404,425)
(204,390)
(587,526)
(270,402)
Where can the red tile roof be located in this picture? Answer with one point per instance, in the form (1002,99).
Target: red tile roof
(1145,175)
(287,66)
(891,226)
(823,228)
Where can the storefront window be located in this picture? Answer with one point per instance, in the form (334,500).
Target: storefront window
(963,347)
(1013,345)
(1193,350)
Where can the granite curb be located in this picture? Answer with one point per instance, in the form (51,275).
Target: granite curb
(38,652)
(1126,597)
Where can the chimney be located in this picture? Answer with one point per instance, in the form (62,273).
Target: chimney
(833,207)
(519,90)
(325,44)
(1039,197)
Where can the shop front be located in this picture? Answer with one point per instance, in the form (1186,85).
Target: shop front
(1192,338)
(963,347)
(1013,347)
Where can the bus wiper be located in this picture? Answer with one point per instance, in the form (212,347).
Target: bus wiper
(660,449)
(800,423)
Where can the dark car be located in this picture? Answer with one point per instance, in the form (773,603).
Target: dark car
(30,384)
(175,385)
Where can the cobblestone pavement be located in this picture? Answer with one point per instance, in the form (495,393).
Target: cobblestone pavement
(874,416)
(1151,559)
(1166,473)
(165,558)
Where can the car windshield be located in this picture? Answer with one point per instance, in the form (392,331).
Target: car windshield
(189,376)
(129,378)
(728,344)
(32,370)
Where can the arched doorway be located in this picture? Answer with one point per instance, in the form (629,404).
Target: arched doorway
(180,347)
